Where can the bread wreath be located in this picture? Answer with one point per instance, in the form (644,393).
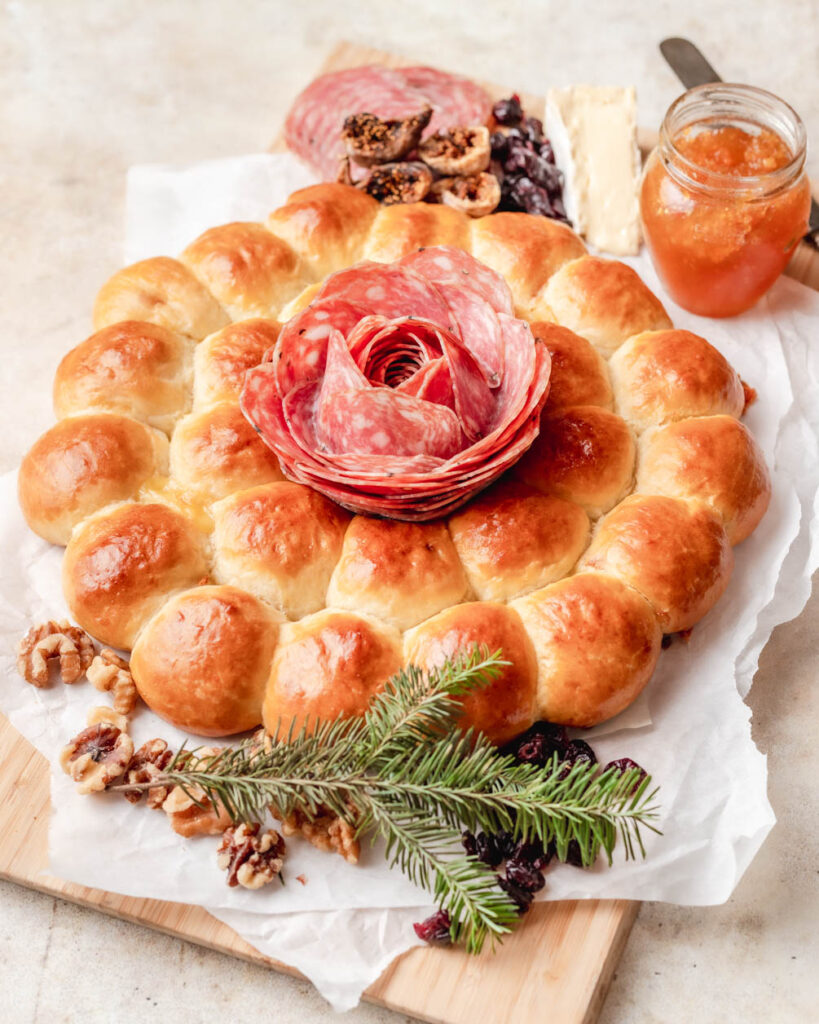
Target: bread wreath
(245,597)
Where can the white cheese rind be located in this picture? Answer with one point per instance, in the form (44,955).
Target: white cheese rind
(593,131)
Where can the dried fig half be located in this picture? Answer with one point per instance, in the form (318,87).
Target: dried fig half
(476,194)
(369,140)
(399,183)
(459,151)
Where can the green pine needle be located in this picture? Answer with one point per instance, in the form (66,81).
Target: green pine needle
(406,773)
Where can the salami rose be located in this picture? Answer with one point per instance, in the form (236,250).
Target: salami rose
(403,389)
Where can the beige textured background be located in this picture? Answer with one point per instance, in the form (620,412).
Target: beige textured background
(88,88)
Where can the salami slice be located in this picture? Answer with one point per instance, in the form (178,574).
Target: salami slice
(314,123)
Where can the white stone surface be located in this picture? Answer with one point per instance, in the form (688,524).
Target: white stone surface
(90,87)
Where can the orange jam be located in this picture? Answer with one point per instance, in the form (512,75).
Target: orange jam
(725,198)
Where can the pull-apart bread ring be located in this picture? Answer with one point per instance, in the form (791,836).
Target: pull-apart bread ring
(246,597)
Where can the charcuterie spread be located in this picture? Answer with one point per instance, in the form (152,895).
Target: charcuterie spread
(406,476)
(456,430)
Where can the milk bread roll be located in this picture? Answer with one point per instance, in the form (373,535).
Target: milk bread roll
(604,301)
(281,542)
(222,360)
(326,225)
(328,665)
(663,376)
(675,552)
(135,368)
(203,660)
(249,270)
(504,708)
(512,539)
(583,454)
(596,641)
(527,251)
(714,459)
(162,291)
(123,563)
(401,572)
(216,452)
(82,464)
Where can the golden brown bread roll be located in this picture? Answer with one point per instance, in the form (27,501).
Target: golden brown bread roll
(326,224)
(123,563)
(583,454)
(162,291)
(401,572)
(604,301)
(216,452)
(596,641)
(329,665)
(674,552)
(222,360)
(203,660)
(281,542)
(662,376)
(714,459)
(579,373)
(249,270)
(82,464)
(526,250)
(512,539)
(504,708)
(134,367)
(401,229)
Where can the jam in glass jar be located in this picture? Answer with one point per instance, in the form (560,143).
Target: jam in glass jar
(725,198)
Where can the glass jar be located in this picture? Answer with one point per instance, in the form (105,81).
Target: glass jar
(724,198)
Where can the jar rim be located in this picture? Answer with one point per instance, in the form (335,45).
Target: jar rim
(752,104)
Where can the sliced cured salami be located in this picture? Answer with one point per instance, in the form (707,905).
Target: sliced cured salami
(378,393)
(314,123)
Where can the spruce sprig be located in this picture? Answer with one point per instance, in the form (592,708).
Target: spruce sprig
(406,773)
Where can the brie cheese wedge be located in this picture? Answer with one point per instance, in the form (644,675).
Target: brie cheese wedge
(593,131)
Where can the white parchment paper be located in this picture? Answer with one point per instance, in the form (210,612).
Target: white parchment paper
(343,925)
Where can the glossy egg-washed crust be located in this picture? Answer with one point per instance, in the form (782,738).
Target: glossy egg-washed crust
(248,598)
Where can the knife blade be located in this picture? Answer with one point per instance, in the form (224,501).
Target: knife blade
(687,63)
(692,69)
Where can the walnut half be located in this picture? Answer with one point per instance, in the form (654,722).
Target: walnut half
(97,756)
(250,857)
(72,646)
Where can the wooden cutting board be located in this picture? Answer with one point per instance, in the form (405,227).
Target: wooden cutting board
(558,965)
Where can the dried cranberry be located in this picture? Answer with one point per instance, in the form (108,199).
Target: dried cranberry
(534,129)
(545,150)
(435,929)
(533,853)
(500,144)
(524,875)
(488,849)
(573,854)
(507,844)
(539,744)
(508,111)
(625,764)
(520,897)
(469,844)
(579,752)
(559,209)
